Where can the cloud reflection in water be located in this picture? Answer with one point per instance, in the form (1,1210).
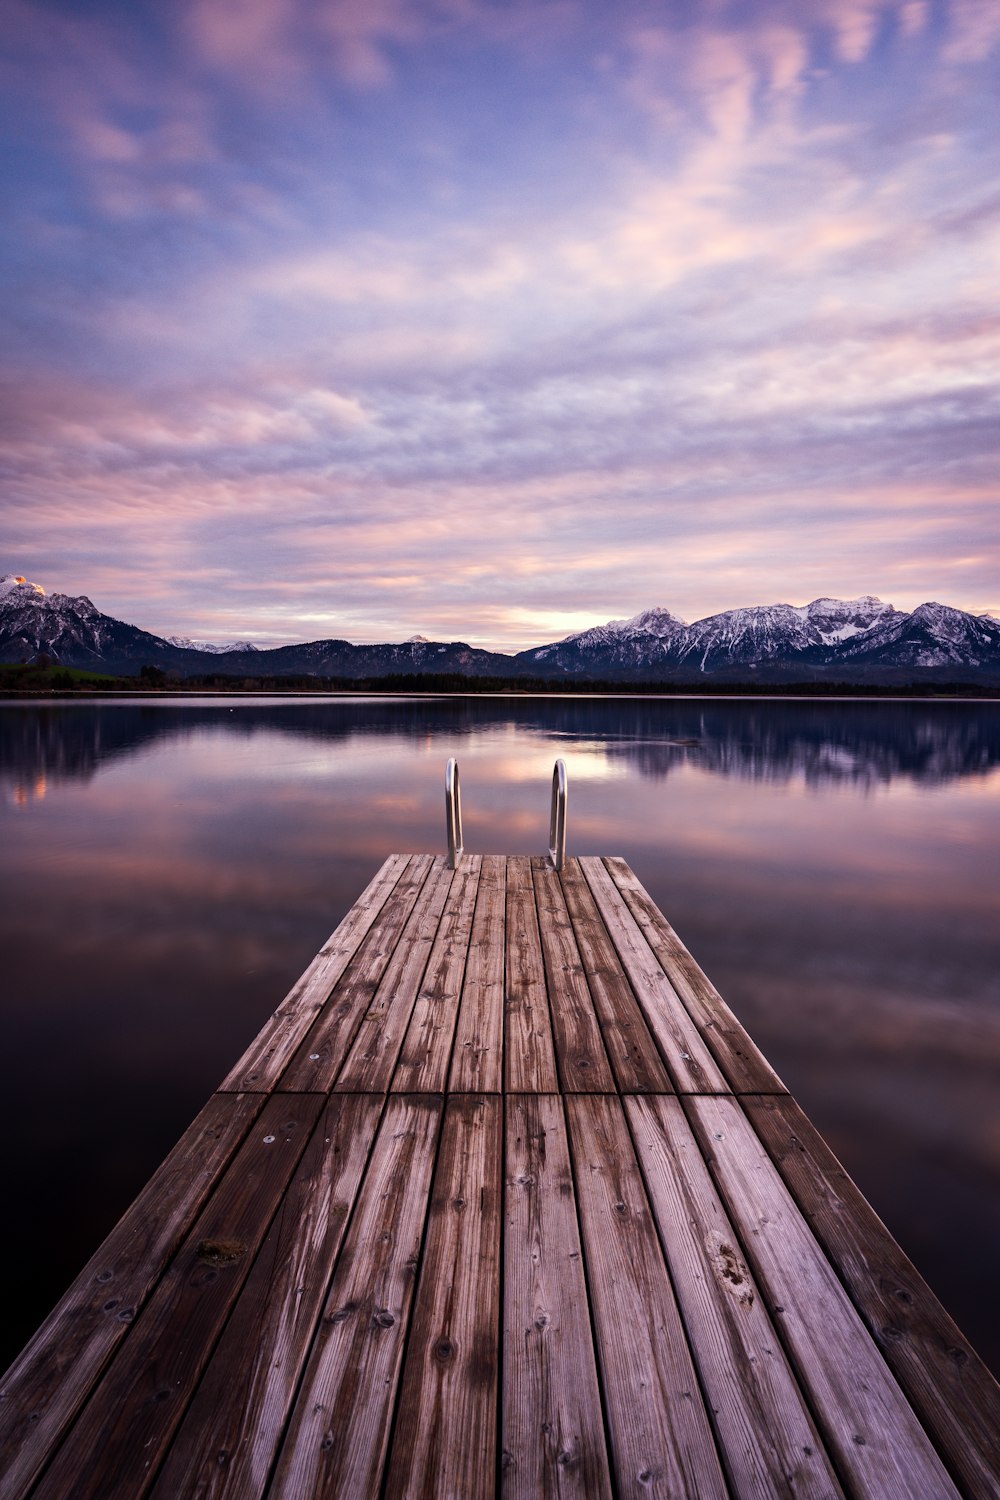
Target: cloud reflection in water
(831,865)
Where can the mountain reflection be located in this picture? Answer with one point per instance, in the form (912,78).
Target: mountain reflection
(819,743)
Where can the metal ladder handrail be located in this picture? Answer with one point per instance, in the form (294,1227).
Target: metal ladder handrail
(453,813)
(557,815)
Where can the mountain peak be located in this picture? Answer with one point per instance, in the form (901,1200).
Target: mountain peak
(16,583)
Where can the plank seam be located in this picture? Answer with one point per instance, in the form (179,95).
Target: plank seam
(729,1477)
(383,1481)
(311,1342)
(943,1451)
(347,1042)
(442,877)
(112,1354)
(822,1426)
(594,1343)
(177,1418)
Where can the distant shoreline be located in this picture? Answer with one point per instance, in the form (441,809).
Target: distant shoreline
(834,692)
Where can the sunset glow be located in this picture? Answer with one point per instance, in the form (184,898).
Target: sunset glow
(492,319)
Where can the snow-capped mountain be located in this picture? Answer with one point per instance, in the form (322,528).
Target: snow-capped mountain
(774,632)
(185,643)
(71,631)
(840,640)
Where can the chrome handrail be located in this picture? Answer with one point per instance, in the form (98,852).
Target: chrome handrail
(453,813)
(557,817)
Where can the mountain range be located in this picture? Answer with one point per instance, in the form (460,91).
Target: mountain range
(853,640)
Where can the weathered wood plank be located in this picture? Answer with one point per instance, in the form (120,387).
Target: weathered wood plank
(529,1051)
(268,1054)
(337,1437)
(953,1392)
(321,1052)
(552,1428)
(477,1060)
(869,1427)
(582,1061)
(48,1382)
(739,1057)
(113,1450)
(226,1445)
(767,1437)
(692,1066)
(371,1062)
(444,1441)
(637,1065)
(425,1055)
(661,1436)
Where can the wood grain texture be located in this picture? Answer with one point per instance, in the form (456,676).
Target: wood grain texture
(739,1057)
(425,1056)
(477,1058)
(122,1433)
(529,1051)
(690,1063)
(449,1384)
(322,1051)
(721,1313)
(371,1062)
(766,1435)
(48,1382)
(337,1439)
(947,1383)
(869,1427)
(661,1438)
(553,1445)
(227,1443)
(580,1055)
(271,1050)
(631,1049)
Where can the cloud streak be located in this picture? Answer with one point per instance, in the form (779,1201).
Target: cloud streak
(495,320)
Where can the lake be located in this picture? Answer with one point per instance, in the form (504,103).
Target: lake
(169,866)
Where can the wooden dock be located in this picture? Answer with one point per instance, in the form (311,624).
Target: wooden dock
(502,1200)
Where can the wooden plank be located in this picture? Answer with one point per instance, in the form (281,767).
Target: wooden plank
(552,1432)
(529,1051)
(582,1060)
(766,1435)
(477,1060)
(339,1431)
(661,1436)
(953,1392)
(426,1051)
(740,1059)
(371,1062)
(321,1052)
(48,1382)
(692,1066)
(869,1427)
(225,1447)
(115,1447)
(632,1052)
(444,1440)
(269,1053)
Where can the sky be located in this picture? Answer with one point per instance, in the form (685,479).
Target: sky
(495,319)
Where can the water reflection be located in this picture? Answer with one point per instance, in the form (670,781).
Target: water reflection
(167,870)
(858,743)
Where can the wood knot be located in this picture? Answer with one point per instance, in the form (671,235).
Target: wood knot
(221,1252)
(383,1318)
(444,1350)
(730,1268)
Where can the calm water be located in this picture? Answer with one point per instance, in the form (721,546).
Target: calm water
(167,869)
